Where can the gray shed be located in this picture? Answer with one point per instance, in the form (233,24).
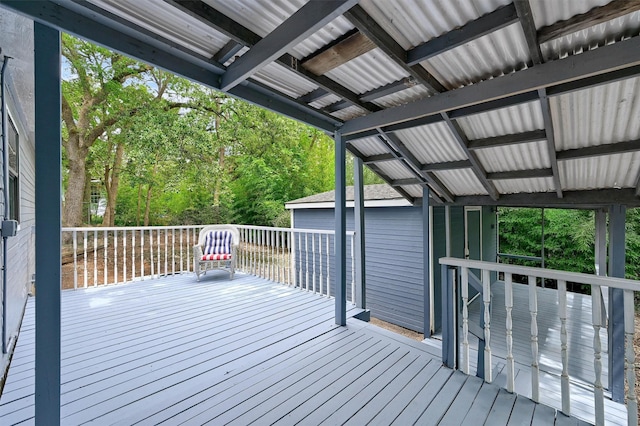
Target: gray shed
(394,246)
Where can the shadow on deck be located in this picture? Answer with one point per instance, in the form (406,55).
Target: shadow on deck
(233,352)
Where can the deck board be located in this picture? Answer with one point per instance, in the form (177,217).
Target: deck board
(176,351)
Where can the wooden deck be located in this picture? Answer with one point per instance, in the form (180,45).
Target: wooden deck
(177,351)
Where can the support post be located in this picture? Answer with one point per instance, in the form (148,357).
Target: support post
(48,214)
(601,257)
(426,261)
(341,229)
(617,216)
(449,315)
(358,215)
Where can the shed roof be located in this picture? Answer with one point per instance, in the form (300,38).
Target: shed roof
(483,101)
(374,195)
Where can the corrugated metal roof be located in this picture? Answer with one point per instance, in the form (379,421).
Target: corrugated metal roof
(325,101)
(609,171)
(402,97)
(461,182)
(432,144)
(413,22)
(493,55)
(516,186)
(324,36)
(370,146)
(168,22)
(547,12)
(601,115)
(380,71)
(278,77)
(395,170)
(525,156)
(413,190)
(349,113)
(505,121)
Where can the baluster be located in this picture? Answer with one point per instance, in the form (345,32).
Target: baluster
(464,272)
(115,257)
(133,254)
(173,251)
(300,261)
(508,303)
(291,250)
(272,263)
(313,255)
(252,260)
(181,264)
(152,256)
(596,319)
(630,358)
(124,255)
(320,260)
(564,354)
(188,250)
(270,253)
(328,268)
(158,253)
(75,259)
(306,260)
(535,369)
(86,277)
(353,269)
(142,254)
(278,255)
(95,258)
(486,298)
(261,253)
(166,252)
(104,267)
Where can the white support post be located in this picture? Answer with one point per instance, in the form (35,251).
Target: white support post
(564,353)
(630,358)
(533,310)
(508,303)
(75,260)
(596,318)
(320,255)
(464,274)
(486,298)
(313,255)
(84,248)
(95,258)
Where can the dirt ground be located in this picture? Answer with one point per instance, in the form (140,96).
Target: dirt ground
(397,329)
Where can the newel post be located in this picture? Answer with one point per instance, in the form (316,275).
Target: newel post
(617,218)
(449,315)
(341,230)
(358,216)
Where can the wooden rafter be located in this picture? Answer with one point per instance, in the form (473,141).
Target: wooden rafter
(340,51)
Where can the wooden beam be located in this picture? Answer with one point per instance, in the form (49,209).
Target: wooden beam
(571,200)
(304,22)
(484,25)
(523,9)
(476,165)
(520,174)
(595,16)
(380,158)
(449,165)
(551,140)
(516,138)
(369,27)
(222,23)
(228,50)
(342,50)
(605,59)
(599,150)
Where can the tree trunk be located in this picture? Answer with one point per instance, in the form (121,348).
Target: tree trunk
(112,181)
(218,187)
(139,204)
(73,209)
(147,207)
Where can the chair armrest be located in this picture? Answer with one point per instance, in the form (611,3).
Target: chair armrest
(197,252)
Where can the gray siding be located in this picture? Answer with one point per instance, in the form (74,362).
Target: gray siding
(394,256)
(17,35)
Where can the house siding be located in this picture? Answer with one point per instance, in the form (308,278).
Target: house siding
(16,33)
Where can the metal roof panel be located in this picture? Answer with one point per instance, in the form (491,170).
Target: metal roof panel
(396,170)
(432,144)
(370,146)
(609,171)
(515,186)
(524,156)
(505,121)
(461,182)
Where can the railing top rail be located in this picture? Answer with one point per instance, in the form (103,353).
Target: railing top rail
(145,228)
(551,274)
(128,228)
(300,230)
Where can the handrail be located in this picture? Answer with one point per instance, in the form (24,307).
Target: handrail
(451,340)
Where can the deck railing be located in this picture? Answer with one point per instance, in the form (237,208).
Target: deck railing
(457,272)
(302,258)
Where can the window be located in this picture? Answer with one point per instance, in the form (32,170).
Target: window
(14,172)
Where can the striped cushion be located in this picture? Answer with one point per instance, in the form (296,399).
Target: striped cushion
(216,257)
(217,242)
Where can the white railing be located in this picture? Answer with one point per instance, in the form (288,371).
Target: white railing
(561,278)
(302,258)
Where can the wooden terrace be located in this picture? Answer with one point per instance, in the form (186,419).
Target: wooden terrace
(177,351)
